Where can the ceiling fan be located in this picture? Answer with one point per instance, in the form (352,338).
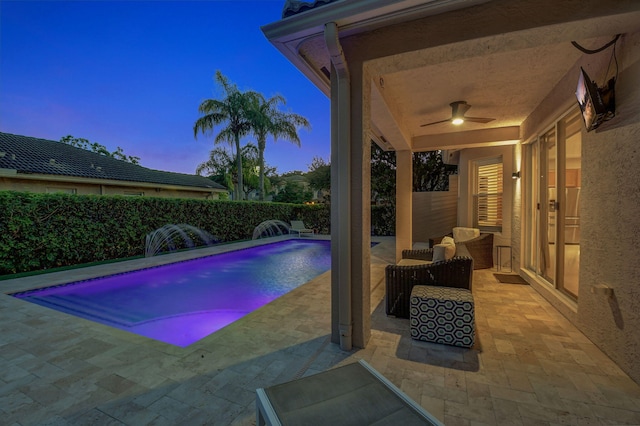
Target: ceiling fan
(458,109)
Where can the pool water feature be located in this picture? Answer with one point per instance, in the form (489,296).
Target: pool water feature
(181,303)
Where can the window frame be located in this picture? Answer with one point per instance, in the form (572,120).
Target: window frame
(497,207)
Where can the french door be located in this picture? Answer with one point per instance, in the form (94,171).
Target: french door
(553,205)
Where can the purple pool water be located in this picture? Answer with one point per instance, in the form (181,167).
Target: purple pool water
(181,303)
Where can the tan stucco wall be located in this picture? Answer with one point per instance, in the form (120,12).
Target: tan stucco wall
(610,224)
(44,186)
(517,192)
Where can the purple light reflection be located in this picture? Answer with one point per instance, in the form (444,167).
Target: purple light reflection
(184,302)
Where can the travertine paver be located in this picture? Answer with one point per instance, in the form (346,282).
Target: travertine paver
(529,365)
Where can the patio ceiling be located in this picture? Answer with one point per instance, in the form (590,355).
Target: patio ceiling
(507,86)
(501,75)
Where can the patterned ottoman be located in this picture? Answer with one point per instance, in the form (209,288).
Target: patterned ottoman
(442,315)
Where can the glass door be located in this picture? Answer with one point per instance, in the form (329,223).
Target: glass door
(548,205)
(570,205)
(553,205)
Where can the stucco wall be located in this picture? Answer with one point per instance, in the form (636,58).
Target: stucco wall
(610,224)
(517,192)
(44,186)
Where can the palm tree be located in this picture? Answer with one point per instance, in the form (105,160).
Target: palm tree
(221,167)
(232,110)
(267,120)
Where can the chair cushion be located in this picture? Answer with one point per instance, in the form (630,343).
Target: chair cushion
(439,252)
(450,247)
(447,240)
(461,234)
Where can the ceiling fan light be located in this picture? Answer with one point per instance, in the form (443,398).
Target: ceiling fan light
(457,121)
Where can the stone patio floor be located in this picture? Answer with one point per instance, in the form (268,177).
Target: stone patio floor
(530,366)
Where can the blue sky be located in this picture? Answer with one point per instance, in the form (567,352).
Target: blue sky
(132,74)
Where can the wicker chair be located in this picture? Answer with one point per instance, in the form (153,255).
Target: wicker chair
(480,248)
(456,272)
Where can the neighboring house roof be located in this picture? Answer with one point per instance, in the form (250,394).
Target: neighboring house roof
(293,7)
(29,155)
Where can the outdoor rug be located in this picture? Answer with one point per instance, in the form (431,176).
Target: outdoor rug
(510,279)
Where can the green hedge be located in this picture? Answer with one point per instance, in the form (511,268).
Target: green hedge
(44,231)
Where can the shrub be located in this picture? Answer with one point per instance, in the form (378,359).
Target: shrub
(44,231)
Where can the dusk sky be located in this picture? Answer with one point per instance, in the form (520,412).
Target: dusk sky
(132,74)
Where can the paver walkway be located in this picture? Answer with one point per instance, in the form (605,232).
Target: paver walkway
(530,366)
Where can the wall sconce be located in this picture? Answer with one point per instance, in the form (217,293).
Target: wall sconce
(515,175)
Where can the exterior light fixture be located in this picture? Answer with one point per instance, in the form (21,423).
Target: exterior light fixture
(515,175)
(457,121)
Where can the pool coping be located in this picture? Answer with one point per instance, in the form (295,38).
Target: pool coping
(17,285)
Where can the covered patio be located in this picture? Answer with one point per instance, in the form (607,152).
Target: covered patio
(530,366)
(397,73)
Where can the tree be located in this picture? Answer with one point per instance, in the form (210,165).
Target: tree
(82,143)
(383,175)
(319,176)
(232,110)
(221,167)
(430,173)
(293,192)
(266,119)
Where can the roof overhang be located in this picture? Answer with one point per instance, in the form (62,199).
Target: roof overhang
(502,57)
(352,17)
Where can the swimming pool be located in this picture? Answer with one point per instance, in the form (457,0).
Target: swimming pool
(181,303)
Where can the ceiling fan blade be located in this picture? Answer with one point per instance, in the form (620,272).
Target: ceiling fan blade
(478,119)
(435,122)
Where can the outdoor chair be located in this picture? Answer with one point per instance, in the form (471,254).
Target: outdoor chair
(400,279)
(298,226)
(480,249)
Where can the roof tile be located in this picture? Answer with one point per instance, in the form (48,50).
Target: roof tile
(30,155)
(293,7)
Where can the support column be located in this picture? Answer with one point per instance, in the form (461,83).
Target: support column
(341,315)
(360,206)
(404,202)
(350,200)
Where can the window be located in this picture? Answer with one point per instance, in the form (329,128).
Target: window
(133,193)
(488,195)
